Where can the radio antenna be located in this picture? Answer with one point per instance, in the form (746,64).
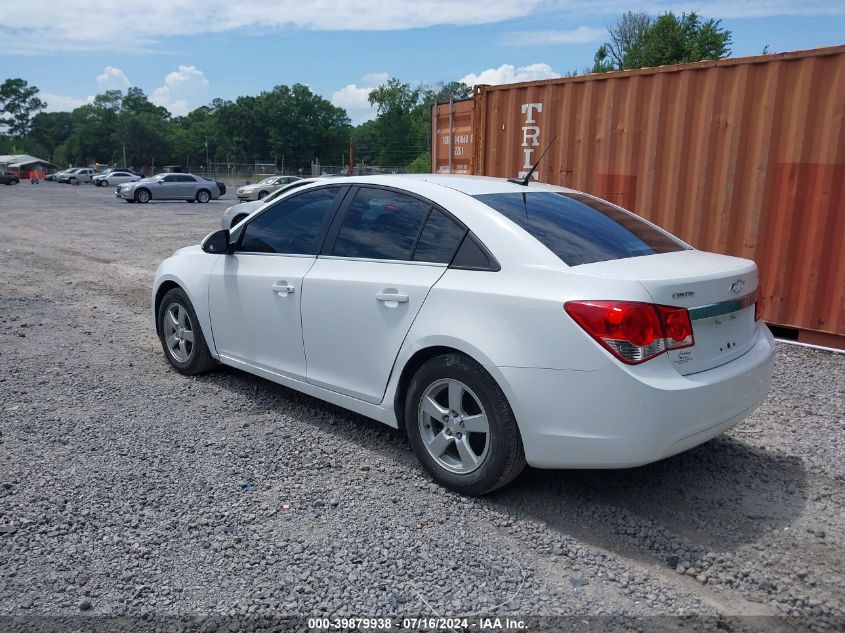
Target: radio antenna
(524,181)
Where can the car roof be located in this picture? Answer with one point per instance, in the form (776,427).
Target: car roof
(469,185)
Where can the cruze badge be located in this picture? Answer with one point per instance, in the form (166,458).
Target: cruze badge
(737,286)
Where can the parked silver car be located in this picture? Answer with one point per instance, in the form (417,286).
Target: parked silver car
(264,187)
(170,187)
(114,177)
(238,212)
(77,175)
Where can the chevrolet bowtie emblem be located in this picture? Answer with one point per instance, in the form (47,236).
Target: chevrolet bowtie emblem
(737,286)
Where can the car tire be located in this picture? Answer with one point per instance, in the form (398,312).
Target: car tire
(73,181)
(471,462)
(203,196)
(143,196)
(177,322)
(262,194)
(237,220)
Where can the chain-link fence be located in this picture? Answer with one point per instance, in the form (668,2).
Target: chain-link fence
(236,174)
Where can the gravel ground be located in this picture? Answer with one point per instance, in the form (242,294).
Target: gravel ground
(126,488)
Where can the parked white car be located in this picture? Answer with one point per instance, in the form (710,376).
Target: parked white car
(264,187)
(237,212)
(114,178)
(497,323)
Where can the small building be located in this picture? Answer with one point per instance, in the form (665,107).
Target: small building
(26,166)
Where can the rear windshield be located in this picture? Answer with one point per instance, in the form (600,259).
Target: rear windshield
(580,229)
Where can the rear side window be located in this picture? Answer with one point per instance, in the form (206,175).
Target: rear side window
(380,224)
(439,239)
(292,226)
(580,229)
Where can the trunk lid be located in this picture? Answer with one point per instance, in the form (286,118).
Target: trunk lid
(717,290)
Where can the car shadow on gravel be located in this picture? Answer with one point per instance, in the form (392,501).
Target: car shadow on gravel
(717,496)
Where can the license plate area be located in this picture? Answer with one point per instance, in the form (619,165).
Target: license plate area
(721,335)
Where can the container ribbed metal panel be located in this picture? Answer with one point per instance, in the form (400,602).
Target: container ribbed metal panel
(742,156)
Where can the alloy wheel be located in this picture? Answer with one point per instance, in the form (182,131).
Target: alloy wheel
(179,332)
(454,426)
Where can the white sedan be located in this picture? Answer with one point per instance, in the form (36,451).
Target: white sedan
(497,323)
(116,177)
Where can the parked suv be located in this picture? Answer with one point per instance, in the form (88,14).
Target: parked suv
(78,175)
(8,178)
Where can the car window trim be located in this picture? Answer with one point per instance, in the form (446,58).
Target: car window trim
(321,232)
(376,260)
(331,237)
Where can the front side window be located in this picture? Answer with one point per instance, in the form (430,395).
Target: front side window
(292,226)
(380,224)
(580,229)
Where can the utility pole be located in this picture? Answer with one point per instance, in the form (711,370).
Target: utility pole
(207,165)
(124,154)
(351,155)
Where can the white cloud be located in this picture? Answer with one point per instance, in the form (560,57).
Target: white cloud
(77,25)
(85,25)
(376,79)
(80,25)
(508,74)
(713,8)
(62,103)
(581,35)
(355,99)
(113,79)
(183,90)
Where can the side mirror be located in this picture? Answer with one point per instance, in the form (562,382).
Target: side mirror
(217,243)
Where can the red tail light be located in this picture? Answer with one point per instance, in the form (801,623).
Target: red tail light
(758,305)
(634,332)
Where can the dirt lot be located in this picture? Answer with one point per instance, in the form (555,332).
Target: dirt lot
(126,488)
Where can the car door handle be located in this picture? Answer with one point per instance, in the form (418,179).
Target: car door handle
(283,289)
(392,296)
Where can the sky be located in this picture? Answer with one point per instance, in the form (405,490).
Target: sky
(184,53)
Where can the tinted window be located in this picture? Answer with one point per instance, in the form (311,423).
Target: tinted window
(187,179)
(380,224)
(580,229)
(471,256)
(291,226)
(439,240)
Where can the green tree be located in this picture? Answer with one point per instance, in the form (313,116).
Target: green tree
(396,131)
(144,129)
(442,92)
(94,137)
(48,131)
(19,102)
(601,61)
(638,41)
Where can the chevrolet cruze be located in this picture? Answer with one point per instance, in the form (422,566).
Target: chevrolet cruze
(498,323)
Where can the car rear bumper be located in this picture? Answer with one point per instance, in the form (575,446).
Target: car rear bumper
(615,418)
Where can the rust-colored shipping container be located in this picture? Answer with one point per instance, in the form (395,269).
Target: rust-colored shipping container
(453,139)
(741,156)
